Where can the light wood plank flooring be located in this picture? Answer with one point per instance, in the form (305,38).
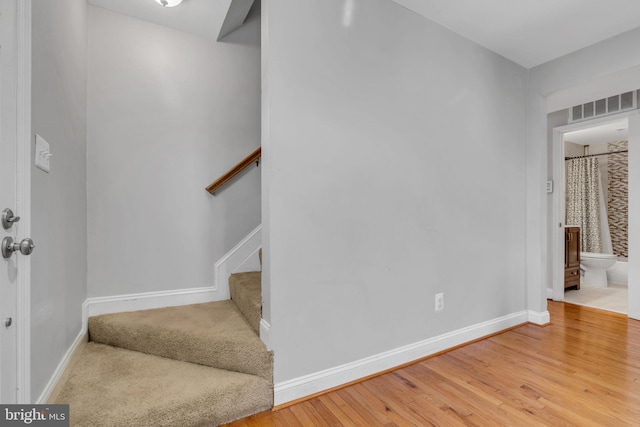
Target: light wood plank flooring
(582,370)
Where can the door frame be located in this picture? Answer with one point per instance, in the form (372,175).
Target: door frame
(23,196)
(558,208)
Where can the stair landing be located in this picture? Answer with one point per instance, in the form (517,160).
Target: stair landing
(214,334)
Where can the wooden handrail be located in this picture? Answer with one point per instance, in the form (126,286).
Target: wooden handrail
(245,163)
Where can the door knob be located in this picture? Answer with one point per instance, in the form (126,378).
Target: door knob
(9,247)
(8,219)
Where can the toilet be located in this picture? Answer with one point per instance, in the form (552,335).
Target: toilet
(595,267)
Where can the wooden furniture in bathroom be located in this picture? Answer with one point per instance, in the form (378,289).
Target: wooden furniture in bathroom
(572,257)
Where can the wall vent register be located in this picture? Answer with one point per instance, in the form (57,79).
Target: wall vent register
(603,107)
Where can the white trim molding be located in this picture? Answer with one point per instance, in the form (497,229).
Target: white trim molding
(23,206)
(242,254)
(146,301)
(539,318)
(233,260)
(287,391)
(57,374)
(265,333)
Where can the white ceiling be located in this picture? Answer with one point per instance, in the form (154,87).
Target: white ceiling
(529,32)
(608,132)
(201,17)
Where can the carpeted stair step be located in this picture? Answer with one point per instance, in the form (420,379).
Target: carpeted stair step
(246,293)
(111,386)
(213,334)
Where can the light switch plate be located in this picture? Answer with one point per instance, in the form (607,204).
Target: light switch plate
(43,154)
(549,186)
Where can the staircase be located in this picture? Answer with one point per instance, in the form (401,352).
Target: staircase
(195,365)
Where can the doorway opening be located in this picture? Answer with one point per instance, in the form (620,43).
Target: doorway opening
(591,176)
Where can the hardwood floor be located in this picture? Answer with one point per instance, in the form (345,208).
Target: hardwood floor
(582,370)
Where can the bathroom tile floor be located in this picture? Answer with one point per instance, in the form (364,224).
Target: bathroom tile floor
(612,298)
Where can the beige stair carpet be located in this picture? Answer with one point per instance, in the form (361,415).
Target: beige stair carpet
(246,293)
(213,334)
(116,387)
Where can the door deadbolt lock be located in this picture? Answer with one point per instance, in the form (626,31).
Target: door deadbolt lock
(9,247)
(7,218)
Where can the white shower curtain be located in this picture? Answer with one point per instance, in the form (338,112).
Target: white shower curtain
(583,201)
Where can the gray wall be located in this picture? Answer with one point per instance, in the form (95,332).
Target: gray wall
(168,112)
(396,171)
(59,201)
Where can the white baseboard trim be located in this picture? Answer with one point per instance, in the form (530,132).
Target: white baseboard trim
(264,333)
(549,293)
(252,263)
(57,374)
(539,318)
(287,391)
(147,300)
(243,252)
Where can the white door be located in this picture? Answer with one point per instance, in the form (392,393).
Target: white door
(8,161)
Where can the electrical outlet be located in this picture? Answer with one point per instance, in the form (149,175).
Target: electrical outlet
(440,301)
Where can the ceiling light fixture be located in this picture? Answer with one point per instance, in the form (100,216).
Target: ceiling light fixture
(169,3)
